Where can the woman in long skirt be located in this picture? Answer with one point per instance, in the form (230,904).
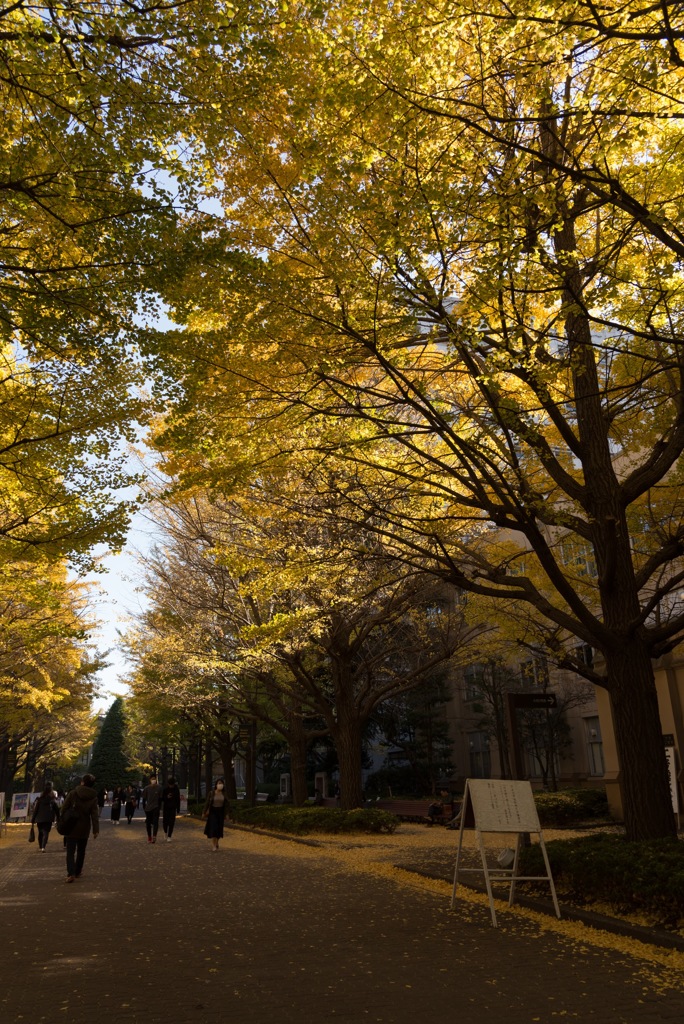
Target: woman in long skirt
(116,804)
(215,810)
(131,804)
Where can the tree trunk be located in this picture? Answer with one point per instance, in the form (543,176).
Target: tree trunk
(208,766)
(644,780)
(501,735)
(638,733)
(198,770)
(297,743)
(225,751)
(347,737)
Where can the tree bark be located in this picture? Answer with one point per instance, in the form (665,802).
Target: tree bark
(298,744)
(348,743)
(225,750)
(638,733)
(208,766)
(630,680)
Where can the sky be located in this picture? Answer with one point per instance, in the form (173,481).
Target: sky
(118,601)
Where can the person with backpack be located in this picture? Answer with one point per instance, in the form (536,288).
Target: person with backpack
(45,811)
(79,814)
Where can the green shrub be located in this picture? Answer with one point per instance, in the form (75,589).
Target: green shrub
(304,820)
(645,876)
(569,806)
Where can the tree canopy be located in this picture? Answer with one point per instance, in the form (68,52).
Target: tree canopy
(458,229)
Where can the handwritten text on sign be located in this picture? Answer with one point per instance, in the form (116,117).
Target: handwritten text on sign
(502,805)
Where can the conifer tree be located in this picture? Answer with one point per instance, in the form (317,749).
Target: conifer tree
(109,763)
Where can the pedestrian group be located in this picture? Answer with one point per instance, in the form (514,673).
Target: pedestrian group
(78,814)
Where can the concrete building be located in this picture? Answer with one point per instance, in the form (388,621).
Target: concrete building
(478,718)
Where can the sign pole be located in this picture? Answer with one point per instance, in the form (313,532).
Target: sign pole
(516,749)
(501,806)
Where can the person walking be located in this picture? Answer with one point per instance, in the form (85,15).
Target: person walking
(45,811)
(171,801)
(131,804)
(215,810)
(117,798)
(151,799)
(82,800)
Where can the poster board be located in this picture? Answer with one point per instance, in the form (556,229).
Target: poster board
(498,806)
(671,756)
(19,807)
(183,801)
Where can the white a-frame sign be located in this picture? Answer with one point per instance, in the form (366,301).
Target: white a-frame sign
(500,805)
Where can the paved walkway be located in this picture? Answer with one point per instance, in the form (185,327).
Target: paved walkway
(271,932)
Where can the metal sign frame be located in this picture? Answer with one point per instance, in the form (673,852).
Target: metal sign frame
(501,805)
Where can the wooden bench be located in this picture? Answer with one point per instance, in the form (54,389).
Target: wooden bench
(405,810)
(414,810)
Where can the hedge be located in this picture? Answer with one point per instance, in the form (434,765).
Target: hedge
(568,806)
(303,820)
(646,876)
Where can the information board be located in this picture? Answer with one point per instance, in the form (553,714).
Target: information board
(503,805)
(20,806)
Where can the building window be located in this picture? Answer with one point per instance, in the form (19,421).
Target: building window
(533,765)
(480,759)
(585,655)
(473,677)
(534,674)
(577,555)
(594,746)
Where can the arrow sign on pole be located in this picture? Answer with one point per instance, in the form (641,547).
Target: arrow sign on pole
(534,700)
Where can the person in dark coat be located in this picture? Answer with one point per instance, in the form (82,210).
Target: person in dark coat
(215,810)
(151,800)
(131,804)
(117,797)
(84,800)
(171,801)
(45,811)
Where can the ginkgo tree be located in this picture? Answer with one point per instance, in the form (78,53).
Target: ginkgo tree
(290,623)
(459,228)
(47,664)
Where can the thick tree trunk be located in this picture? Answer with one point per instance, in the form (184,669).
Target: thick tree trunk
(347,739)
(298,744)
(638,734)
(208,766)
(225,751)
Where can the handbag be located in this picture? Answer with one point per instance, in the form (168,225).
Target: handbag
(32,835)
(67,821)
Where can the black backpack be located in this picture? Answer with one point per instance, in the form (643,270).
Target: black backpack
(67,821)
